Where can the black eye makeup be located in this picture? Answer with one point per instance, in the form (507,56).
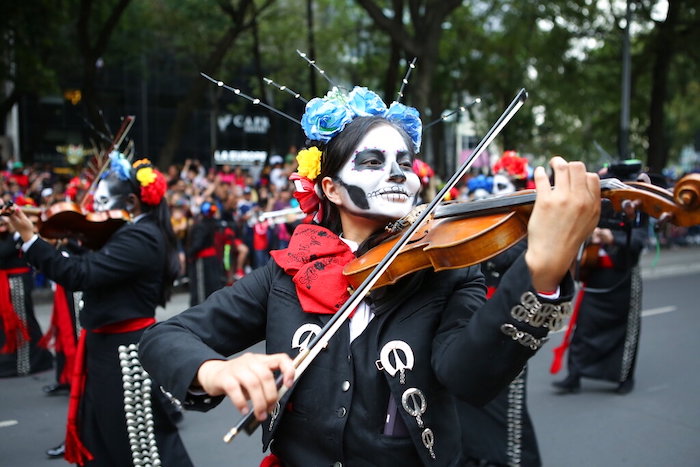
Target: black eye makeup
(404,159)
(372,159)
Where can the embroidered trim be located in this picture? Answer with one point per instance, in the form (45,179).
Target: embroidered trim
(137,408)
(634,319)
(537,314)
(516,405)
(17,294)
(523,338)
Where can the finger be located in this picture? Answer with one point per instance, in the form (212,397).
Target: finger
(252,386)
(593,182)
(285,364)
(561,172)
(542,184)
(268,385)
(235,393)
(578,177)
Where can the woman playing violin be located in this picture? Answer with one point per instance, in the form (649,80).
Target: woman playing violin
(122,283)
(383,391)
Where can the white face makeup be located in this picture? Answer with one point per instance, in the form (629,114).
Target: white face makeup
(103,200)
(378,179)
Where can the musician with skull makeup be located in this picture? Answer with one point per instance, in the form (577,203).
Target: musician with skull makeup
(383,391)
(117,415)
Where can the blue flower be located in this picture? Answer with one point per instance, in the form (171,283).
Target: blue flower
(325,118)
(408,119)
(119,165)
(365,103)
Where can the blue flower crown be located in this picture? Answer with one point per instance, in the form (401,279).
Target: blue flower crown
(118,165)
(326,117)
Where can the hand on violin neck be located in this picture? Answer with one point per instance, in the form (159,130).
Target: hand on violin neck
(563,217)
(19,222)
(602,236)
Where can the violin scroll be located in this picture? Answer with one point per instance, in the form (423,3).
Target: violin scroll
(681,208)
(687,191)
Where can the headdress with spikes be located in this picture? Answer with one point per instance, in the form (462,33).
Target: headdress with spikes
(325,117)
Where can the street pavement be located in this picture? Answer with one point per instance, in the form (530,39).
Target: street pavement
(658,424)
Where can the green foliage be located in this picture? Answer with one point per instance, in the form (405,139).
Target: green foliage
(566,53)
(32,35)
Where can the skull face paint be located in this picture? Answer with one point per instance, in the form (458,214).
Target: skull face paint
(378,179)
(107,197)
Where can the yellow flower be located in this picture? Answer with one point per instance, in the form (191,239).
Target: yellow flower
(309,162)
(146,176)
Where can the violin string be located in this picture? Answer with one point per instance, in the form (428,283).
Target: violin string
(254,100)
(404,81)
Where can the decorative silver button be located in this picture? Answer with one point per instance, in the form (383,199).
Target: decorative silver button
(338,464)
(342,412)
(345,386)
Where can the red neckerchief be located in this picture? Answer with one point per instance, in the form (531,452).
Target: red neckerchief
(76,452)
(315,259)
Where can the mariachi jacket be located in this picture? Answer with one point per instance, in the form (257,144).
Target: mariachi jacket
(123,280)
(433,338)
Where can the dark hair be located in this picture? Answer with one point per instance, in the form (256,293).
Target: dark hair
(161,215)
(171,265)
(337,152)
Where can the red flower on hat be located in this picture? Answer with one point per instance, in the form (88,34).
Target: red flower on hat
(512,164)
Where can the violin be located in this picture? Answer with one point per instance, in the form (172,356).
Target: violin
(461,234)
(68,220)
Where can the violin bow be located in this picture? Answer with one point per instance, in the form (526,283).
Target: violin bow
(306,355)
(116,142)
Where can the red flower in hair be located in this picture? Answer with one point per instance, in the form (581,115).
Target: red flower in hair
(152,181)
(154,192)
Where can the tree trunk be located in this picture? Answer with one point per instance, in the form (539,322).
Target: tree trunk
(425,46)
(6,105)
(664,48)
(238,14)
(194,95)
(91,53)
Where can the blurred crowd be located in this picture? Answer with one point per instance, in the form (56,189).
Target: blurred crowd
(237,196)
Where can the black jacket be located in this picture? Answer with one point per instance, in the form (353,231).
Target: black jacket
(337,410)
(121,281)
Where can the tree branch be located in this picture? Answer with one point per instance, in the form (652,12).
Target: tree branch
(108,27)
(388,25)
